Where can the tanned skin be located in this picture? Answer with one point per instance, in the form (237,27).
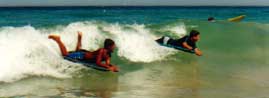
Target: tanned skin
(98,56)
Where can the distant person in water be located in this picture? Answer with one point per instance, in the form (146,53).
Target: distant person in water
(102,54)
(187,42)
(211,19)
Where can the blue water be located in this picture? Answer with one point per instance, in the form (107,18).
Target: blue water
(49,16)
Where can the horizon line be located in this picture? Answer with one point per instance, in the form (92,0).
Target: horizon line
(136,6)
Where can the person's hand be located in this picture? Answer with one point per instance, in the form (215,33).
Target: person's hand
(111,69)
(114,68)
(198,53)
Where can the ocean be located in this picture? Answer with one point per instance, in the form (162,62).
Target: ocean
(234,62)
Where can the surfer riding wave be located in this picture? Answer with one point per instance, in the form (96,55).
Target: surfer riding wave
(102,54)
(187,42)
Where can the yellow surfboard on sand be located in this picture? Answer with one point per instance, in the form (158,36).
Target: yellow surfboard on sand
(237,19)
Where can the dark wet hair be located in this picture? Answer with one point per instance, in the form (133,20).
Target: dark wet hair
(210,18)
(194,33)
(108,43)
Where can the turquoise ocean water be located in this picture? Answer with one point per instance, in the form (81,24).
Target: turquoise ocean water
(234,64)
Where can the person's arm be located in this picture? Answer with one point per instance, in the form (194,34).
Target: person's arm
(185,45)
(113,68)
(198,52)
(99,59)
(108,61)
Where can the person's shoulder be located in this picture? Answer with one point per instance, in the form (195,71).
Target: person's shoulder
(184,37)
(102,50)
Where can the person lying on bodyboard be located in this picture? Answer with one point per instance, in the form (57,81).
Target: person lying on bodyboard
(188,42)
(102,54)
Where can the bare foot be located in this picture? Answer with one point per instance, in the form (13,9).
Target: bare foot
(79,34)
(54,37)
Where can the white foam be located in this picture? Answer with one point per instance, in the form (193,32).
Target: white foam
(26,51)
(137,44)
(178,30)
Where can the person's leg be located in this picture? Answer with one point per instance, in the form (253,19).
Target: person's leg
(160,40)
(60,44)
(165,40)
(79,41)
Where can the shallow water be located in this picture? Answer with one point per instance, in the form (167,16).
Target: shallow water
(234,64)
